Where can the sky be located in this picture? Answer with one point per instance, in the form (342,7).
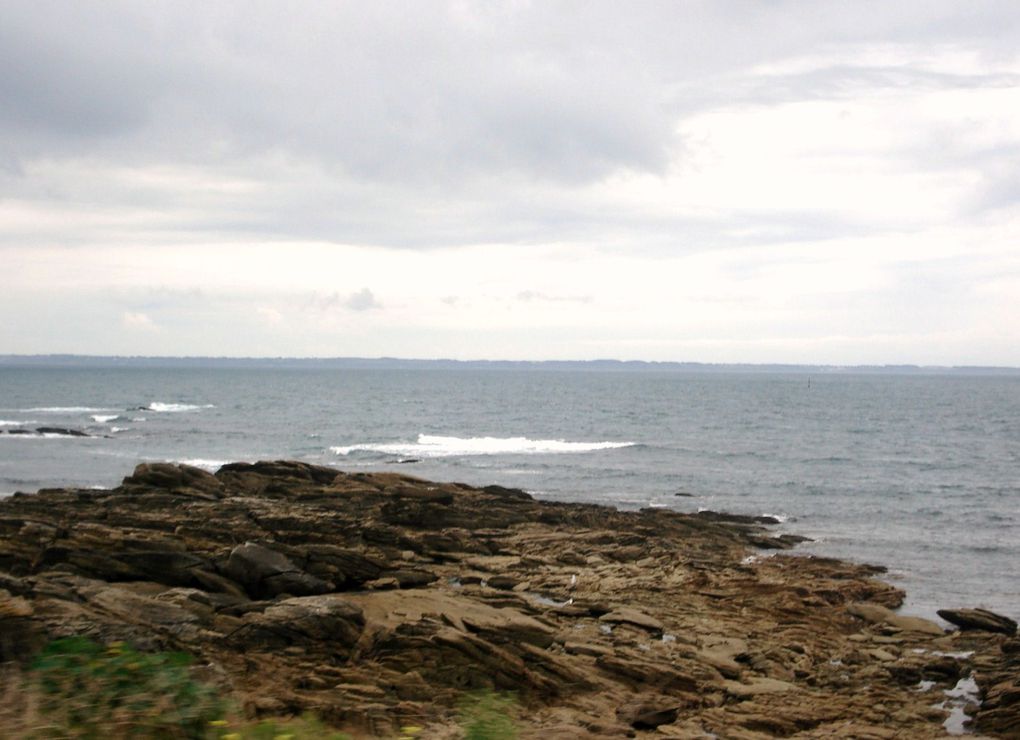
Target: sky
(733,181)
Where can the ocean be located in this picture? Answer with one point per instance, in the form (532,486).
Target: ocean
(920,473)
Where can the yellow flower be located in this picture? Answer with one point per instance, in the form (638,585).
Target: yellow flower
(411,730)
(218,723)
(232,736)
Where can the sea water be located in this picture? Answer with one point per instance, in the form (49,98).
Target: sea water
(917,473)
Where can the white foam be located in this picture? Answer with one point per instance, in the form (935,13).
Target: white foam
(37,435)
(8,423)
(114,430)
(210,465)
(965,693)
(429,445)
(160,406)
(103,418)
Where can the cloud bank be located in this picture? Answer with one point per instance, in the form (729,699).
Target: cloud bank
(730,181)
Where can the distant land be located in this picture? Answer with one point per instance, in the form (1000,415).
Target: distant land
(393,363)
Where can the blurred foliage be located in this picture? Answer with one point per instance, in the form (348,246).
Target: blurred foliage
(91,691)
(487,715)
(77,688)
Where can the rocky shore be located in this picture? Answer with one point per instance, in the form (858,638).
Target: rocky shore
(378,600)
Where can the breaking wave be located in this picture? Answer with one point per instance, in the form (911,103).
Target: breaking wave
(429,445)
(160,406)
(211,465)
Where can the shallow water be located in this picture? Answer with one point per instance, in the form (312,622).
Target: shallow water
(919,473)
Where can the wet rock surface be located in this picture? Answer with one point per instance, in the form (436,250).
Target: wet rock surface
(377,600)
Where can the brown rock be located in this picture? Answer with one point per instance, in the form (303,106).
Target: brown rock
(648,715)
(626,615)
(266,573)
(979,619)
(328,619)
(755,649)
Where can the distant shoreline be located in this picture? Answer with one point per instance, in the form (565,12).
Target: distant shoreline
(393,363)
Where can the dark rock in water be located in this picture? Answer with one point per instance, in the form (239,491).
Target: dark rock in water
(717,516)
(20,431)
(683,494)
(508,493)
(61,431)
(979,619)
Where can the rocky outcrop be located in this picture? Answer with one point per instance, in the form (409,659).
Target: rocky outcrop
(979,619)
(377,600)
(46,432)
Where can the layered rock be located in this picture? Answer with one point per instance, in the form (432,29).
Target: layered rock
(377,600)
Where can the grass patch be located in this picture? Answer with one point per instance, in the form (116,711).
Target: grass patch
(487,715)
(79,689)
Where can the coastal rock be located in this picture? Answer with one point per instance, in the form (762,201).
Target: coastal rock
(380,600)
(757,686)
(266,573)
(61,431)
(315,620)
(173,477)
(626,615)
(647,715)
(979,619)
(878,614)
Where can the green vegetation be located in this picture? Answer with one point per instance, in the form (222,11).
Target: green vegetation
(79,689)
(487,715)
(87,690)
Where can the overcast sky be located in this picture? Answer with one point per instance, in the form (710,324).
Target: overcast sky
(818,182)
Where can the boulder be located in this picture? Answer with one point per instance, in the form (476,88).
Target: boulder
(979,619)
(174,476)
(319,620)
(266,573)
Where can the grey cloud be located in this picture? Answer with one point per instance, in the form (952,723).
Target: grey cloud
(362,300)
(565,91)
(412,124)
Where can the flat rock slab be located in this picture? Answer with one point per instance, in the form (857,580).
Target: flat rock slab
(758,686)
(979,619)
(878,614)
(626,615)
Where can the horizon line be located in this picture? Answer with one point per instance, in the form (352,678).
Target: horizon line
(69,356)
